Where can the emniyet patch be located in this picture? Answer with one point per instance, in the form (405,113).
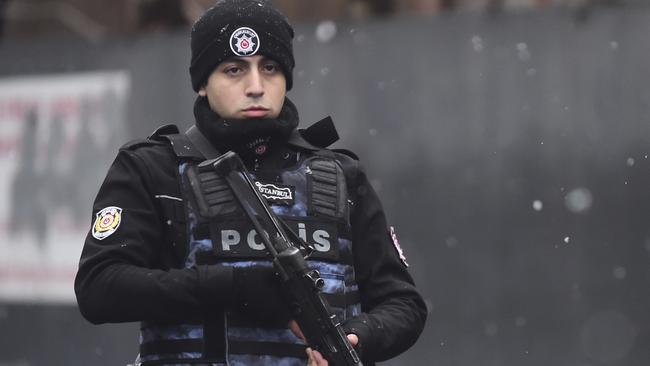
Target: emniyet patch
(244,42)
(106,222)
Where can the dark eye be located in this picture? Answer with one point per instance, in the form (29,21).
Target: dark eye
(270,67)
(233,70)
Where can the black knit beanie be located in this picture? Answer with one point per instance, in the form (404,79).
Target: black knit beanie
(240,28)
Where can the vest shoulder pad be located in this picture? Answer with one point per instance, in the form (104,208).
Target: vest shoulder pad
(161,131)
(315,137)
(156,138)
(138,143)
(182,146)
(322,133)
(350,164)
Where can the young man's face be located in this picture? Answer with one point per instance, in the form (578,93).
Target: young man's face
(246,87)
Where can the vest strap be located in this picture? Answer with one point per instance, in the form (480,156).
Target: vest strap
(214,337)
(161,347)
(212,194)
(234,347)
(276,349)
(324,194)
(179,361)
(201,143)
(267,348)
(342,300)
(211,346)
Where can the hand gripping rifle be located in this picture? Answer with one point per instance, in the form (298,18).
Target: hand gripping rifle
(301,285)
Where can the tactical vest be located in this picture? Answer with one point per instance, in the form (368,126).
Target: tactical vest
(318,212)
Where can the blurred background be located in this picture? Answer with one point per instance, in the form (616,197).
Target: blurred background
(508,139)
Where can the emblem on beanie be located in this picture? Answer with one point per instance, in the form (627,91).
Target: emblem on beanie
(244,42)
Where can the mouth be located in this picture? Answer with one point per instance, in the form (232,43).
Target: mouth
(255,111)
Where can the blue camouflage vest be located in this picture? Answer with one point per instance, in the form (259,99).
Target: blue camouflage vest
(318,212)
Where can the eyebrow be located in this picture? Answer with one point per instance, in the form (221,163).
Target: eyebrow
(242,60)
(235,60)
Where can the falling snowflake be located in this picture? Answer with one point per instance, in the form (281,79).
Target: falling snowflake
(325,31)
(619,273)
(578,200)
(520,321)
(477,43)
(491,329)
(523,52)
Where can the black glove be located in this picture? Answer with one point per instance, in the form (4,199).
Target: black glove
(257,294)
(358,325)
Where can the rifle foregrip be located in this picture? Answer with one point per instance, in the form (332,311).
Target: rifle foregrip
(319,324)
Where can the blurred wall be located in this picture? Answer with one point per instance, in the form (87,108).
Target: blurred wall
(511,154)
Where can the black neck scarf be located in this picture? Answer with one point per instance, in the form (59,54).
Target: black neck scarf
(247,137)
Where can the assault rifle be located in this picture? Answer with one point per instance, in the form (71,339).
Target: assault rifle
(302,286)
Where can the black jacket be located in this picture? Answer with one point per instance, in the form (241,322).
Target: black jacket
(138,274)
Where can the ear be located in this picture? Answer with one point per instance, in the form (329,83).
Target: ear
(202,92)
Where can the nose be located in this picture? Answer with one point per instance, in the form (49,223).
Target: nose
(255,84)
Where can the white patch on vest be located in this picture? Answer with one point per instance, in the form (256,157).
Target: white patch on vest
(320,238)
(273,192)
(106,222)
(168,197)
(398,247)
(232,238)
(250,239)
(229,238)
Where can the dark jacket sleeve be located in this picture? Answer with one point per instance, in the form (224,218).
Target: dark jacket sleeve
(393,311)
(120,277)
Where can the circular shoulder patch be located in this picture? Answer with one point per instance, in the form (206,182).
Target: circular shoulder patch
(244,42)
(106,222)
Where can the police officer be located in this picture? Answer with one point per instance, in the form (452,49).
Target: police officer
(184,260)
